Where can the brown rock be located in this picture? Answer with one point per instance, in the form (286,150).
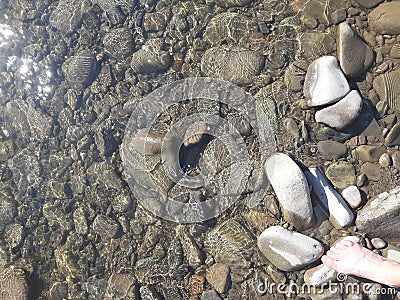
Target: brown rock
(353,63)
(331,149)
(13,285)
(369,153)
(387,87)
(396,160)
(371,170)
(369,3)
(385,18)
(218,275)
(393,137)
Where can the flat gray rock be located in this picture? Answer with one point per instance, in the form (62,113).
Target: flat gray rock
(289,250)
(331,149)
(325,82)
(380,217)
(342,113)
(291,188)
(353,63)
(340,214)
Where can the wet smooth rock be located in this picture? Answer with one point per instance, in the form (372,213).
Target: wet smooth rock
(13,284)
(342,113)
(385,18)
(369,3)
(393,137)
(235,64)
(291,188)
(150,58)
(352,196)
(319,275)
(395,51)
(387,87)
(340,214)
(380,217)
(289,250)
(119,43)
(331,149)
(369,153)
(232,3)
(218,275)
(341,174)
(353,63)
(325,82)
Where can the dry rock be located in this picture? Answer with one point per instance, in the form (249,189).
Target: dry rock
(353,63)
(342,113)
(380,217)
(291,188)
(289,250)
(325,82)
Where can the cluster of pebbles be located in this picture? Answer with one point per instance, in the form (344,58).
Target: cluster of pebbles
(325,75)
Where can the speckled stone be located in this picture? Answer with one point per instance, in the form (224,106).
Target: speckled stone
(343,113)
(352,196)
(380,217)
(353,63)
(331,149)
(291,188)
(385,18)
(341,174)
(289,250)
(369,153)
(325,82)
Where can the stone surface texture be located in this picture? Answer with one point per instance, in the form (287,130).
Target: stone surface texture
(380,217)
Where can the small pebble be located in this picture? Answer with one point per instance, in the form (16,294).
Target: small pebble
(352,196)
(385,160)
(378,243)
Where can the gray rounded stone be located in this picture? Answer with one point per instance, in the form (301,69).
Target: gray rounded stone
(331,149)
(291,188)
(353,63)
(289,250)
(325,82)
(343,113)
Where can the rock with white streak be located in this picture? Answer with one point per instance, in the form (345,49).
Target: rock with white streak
(340,215)
(352,196)
(380,217)
(291,188)
(289,250)
(319,275)
(325,82)
(342,113)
